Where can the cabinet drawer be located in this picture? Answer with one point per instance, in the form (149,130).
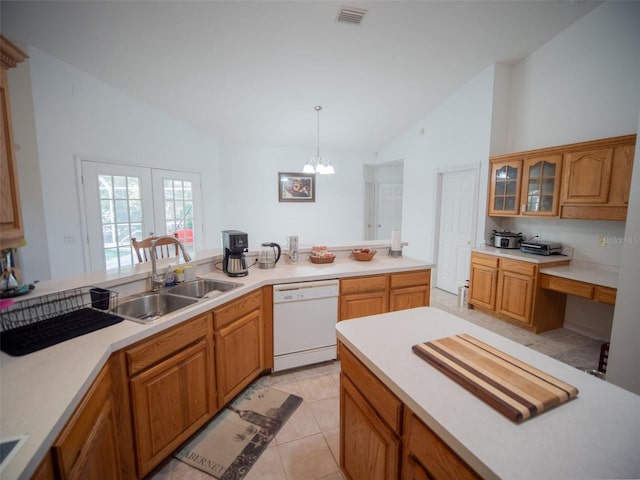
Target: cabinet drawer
(165,344)
(566,285)
(236,309)
(605,295)
(410,279)
(363,284)
(386,404)
(525,268)
(486,260)
(433,454)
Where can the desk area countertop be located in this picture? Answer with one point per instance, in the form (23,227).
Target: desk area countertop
(40,391)
(586,272)
(595,435)
(597,274)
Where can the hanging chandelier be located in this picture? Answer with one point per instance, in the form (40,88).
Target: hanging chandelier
(318,164)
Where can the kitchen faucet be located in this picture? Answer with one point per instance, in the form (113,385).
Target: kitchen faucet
(156,282)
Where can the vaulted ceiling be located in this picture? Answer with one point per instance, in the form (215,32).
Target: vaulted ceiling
(252,71)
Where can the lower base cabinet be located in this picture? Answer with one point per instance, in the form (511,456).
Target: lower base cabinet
(172,389)
(88,447)
(239,334)
(380,438)
(374,294)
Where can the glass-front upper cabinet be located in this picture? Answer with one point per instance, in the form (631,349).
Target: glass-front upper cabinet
(504,193)
(541,185)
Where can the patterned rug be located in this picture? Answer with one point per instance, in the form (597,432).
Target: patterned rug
(233,441)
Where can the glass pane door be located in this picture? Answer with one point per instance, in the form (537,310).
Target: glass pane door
(179,212)
(118,207)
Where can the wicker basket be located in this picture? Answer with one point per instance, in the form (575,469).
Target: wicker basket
(363,257)
(316,259)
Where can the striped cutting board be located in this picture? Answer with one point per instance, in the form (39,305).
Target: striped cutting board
(514,388)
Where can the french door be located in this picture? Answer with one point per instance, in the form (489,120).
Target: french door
(123,202)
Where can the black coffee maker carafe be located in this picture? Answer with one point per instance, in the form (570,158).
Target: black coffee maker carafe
(234,243)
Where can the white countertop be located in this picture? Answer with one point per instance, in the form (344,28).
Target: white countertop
(595,273)
(39,391)
(586,272)
(516,254)
(594,436)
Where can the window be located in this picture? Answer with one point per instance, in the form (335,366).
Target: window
(119,205)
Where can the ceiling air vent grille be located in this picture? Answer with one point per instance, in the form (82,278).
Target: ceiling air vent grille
(351,15)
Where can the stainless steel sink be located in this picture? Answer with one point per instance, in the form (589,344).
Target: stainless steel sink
(201,287)
(147,307)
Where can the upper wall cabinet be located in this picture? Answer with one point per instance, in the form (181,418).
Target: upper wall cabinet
(504,191)
(597,180)
(11,228)
(525,184)
(588,180)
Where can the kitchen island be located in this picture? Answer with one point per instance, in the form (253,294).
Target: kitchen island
(595,435)
(41,391)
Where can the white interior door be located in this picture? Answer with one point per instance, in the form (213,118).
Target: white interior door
(388,209)
(458,218)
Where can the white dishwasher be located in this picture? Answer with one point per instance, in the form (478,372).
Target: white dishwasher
(304,323)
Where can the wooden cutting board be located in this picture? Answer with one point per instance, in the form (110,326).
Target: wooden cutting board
(514,388)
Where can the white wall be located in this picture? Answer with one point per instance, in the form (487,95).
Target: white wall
(582,85)
(623,367)
(457,132)
(250,195)
(75,114)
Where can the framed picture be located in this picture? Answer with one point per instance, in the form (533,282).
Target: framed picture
(296,187)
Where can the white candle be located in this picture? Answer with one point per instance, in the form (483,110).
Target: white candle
(396,244)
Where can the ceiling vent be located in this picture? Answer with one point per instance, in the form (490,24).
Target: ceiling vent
(351,15)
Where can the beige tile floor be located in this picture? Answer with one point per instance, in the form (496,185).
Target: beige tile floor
(307,446)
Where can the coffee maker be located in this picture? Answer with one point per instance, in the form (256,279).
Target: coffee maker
(234,243)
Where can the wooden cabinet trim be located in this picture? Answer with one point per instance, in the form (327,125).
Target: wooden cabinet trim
(365,284)
(164,344)
(484,259)
(568,148)
(410,279)
(578,288)
(230,312)
(518,266)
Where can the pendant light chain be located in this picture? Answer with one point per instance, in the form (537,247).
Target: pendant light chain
(318,164)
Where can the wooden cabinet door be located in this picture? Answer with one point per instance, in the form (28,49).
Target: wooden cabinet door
(363,304)
(482,286)
(87,448)
(170,401)
(409,297)
(238,355)
(368,448)
(414,471)
(428,457)
(586,176)
(504,189)
(11,226)
(515,295)
(541,185)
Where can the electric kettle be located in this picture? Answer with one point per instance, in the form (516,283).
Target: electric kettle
(268,256)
